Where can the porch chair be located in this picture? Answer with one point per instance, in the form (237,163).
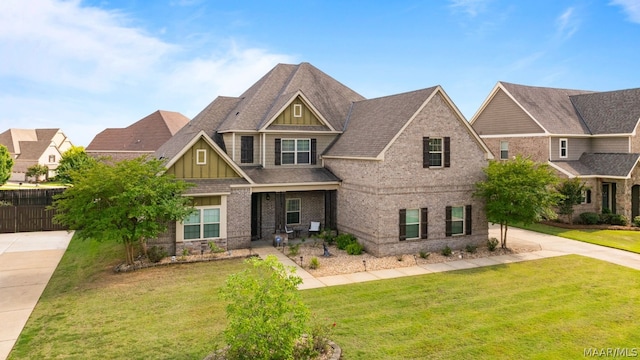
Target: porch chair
(288,231)
(314,228)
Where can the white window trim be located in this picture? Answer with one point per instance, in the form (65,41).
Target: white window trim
(407,223)
(441,152)
(583,194)
(297,110)
(204,157)
(464,216)
(507,150)
(223,222)
(299,211)
(566,148)
(295,152)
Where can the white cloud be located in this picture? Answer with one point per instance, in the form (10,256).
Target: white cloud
(630,7)
(567,24)
(470,7)
(83,69)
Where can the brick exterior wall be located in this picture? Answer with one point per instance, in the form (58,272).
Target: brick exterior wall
(373,192)
(536,147)
(311,209)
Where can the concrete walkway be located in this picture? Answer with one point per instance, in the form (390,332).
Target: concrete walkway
(549,246)
(27,261)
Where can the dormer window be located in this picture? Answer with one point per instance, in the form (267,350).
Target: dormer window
(295,151)
(52,158)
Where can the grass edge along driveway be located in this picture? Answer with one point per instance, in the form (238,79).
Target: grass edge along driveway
(550,308)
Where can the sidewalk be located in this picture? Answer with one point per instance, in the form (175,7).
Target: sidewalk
(549,245)
(27,261)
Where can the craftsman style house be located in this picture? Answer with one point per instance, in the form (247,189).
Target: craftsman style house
(30,147)
(143,137)
(298,147)
(590,135)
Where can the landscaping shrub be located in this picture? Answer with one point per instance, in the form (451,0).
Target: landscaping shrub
(618,219)
(354,248)
(636,221)
(215,248)
(156,253)
(447,251)
(344,240)
(424,255)
(589,218)
(314,263)
(471,248)
(294,249)
(492,244)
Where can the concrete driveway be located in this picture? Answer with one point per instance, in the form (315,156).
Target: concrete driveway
(27,261)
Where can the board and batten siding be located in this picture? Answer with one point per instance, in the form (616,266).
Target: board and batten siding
(503,116)
(306,115)
(215,167)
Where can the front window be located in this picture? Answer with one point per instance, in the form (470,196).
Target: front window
(293,211)
(563,148)
(435,152)
(296,151)
(412,220)
(457,220)
(504,150)
(202,224)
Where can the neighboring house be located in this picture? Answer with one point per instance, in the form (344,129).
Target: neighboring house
(298,146)
(142,137)
(585,134)
(34,146)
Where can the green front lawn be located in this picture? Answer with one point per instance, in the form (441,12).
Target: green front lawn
(552,308)
(628,240)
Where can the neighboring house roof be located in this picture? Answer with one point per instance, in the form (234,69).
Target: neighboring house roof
(372,124)
(551,108)
(28,144)
(611,112)
(599,165)
(145,135)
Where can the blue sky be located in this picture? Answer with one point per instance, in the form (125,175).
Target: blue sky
(84,66)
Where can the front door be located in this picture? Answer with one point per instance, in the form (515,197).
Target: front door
(256,216)
(609,197)
(635,201)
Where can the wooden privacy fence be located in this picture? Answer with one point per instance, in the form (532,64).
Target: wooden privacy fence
(26,210)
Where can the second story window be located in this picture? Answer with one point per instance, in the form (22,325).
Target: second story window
(436,152)
(246,149)
(504,150)
(295,151)
(563,148)
(52,158)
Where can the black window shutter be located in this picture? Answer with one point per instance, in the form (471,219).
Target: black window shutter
(424,216)
(277,159)
(403,224)
(313,151)
(613,198)
(448,221)
(588,196)
(447,152)
(467,220)
(425,152)
(246,149)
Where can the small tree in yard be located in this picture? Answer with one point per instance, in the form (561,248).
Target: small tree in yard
(73,160)
(128,201)
(6,165)
(37,171)
(517,190)
(571,191)
(265,311)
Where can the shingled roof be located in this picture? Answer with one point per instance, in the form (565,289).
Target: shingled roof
(145,135)
(28,144)
(600,165)
(611,112)
(387,115)
(550,107)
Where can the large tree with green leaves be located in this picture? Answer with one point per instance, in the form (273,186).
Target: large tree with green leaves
(128,201)
(73,160)
(6,165)
(517,191)
(572,191)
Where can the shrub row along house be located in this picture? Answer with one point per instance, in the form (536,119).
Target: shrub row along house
(298,147)
(590,135)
